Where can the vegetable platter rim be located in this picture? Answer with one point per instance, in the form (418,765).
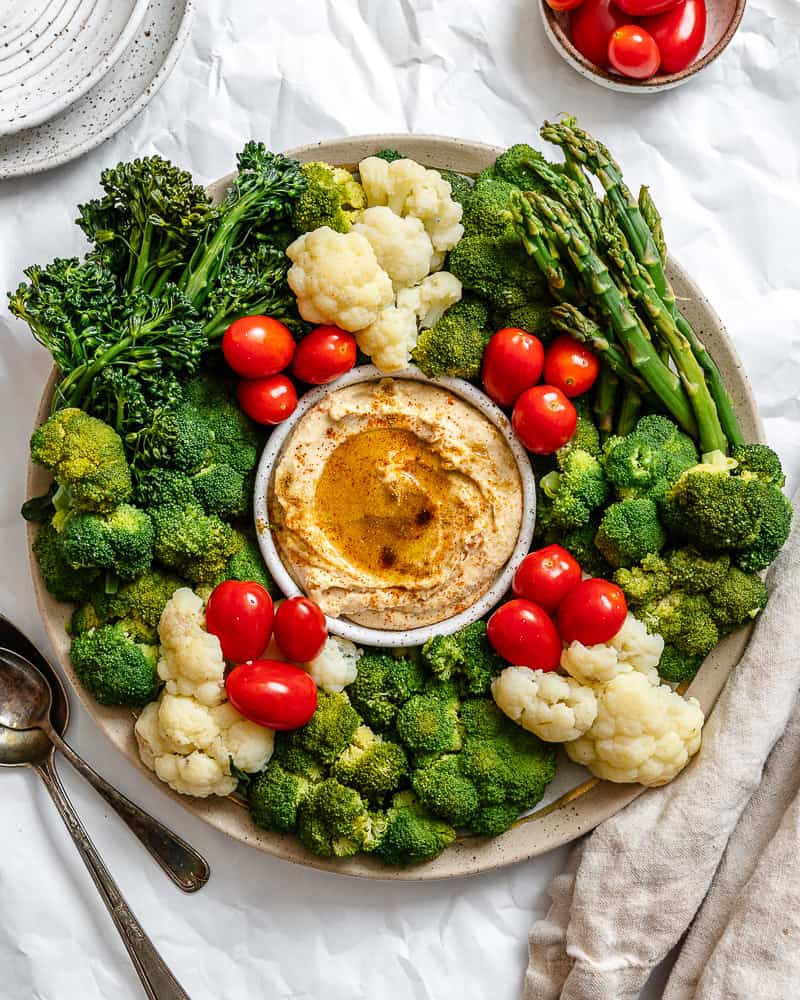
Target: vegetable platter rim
(576,810)
(387,638)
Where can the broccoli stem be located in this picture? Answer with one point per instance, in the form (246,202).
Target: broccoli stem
(605,400)
(615,304)
(628,411)
(534,239)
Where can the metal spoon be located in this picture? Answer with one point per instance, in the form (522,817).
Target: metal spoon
(32,748)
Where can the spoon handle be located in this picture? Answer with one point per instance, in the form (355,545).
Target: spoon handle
(157,980)
(187,869)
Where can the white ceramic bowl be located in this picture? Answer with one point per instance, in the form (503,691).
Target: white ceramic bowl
(386,638)
(723,18)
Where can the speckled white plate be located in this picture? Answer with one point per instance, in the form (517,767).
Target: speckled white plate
(575,802)
(53,51)
(121,93)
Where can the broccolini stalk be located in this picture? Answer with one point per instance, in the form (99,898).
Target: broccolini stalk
(605,400)
(637,280)
(534,238)
(628,411)
(618,309)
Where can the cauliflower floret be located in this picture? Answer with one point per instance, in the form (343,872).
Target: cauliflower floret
(643,733)
(556,708)
(431,298)
(337,279)
(591,664)
(636,646)
(196,774)
(245,743)
(336,666)
(408,188)
(390,340)
(402,246)
(184,724)
(191,660)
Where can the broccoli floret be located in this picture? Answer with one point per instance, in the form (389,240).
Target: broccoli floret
(498,270)
(120,541)
(275,797)
(486,211)
(685,620)
(87,460)
(373,766)
(390,155)
(694,572)
(676,667)
(515,166)
(775,522)
(630,530)
(444,790)
(574,492)
(332,197)
(460,186)
(114,667)
(492,820)
(292,755)
(579,542)
(412,835)
(427,724)
(383,683)
(333,821)
(759,461)
(646,583)
(455,345)
(465,656)
(83,619)
(142,599)
(331,728)
(196,545)
(737,599)
(61,580)
(222,490)
(532,317)
(248,564)
(235,440)
(585,437)
(157,487)
(646,462)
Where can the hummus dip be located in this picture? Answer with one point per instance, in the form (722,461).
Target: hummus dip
(395,504)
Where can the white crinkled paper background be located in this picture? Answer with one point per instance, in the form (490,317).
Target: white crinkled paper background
(722,157)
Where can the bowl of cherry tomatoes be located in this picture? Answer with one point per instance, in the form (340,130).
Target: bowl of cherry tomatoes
(640,46)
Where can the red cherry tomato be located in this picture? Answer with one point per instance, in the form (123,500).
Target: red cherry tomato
(239,614)
(546,576)
(522,633)
(679,33)
(512,363)
(570,366)
(255,346)
(564,4)
(300,629)
(645,8)
(633,52)
(267,400)
(543,419)
(593,612)
(590,28)
(325,354)
(271,693)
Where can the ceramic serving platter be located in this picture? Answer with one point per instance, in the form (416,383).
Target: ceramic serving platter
(575,802)
(54,51)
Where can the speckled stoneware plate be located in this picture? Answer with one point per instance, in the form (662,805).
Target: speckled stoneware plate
(575,802)
(124,90)
(53,51)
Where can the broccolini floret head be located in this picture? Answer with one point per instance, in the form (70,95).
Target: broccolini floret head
(373,766)
(194,544)
(455,345)
(333,820)
(61,580)
(276,795)
(498,270)
(114,666)
(466,657)
(486,211)
(427,724)
(411,834)
(383,683)
(332,197)
(87,459)
(737,599)
(574,492)
(630,530)
(120,541)
(646,462)
(331,728)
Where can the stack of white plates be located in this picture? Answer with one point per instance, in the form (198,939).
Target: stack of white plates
(72,72)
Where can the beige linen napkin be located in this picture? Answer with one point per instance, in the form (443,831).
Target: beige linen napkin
(722,839)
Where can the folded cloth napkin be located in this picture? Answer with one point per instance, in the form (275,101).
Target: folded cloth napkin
(718,846)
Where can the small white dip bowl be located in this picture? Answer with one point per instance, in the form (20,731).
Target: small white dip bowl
(391,637)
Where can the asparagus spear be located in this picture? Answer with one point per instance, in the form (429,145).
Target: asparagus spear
(534,238)
(615,304)
(604,401)
(628,411)
(572,194)
(651,216)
